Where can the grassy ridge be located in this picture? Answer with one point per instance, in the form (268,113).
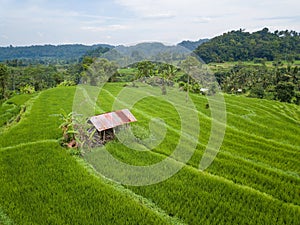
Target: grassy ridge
(255,178)
(40,122)
(11,108)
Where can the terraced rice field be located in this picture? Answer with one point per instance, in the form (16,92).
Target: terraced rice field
(255,178)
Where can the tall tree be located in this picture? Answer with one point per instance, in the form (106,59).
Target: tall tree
(4,74)
(285,91)
(191,65)
(145,69)
(100,71)
(166,73)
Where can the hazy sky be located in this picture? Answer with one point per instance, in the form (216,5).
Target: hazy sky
(31,22)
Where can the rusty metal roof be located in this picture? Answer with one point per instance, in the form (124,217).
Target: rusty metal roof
(112,119)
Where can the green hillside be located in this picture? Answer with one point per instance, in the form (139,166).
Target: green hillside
(244,46)
(255,178)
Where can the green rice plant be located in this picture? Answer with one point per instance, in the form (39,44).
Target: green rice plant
(39,123)
(4,218)
(11,109)
(199,198)
(241,137)
(42,184)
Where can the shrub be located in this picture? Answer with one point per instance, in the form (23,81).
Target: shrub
(257,92)
(27,89)
(67,83)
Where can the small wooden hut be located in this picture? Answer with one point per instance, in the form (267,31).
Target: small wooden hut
(105,123)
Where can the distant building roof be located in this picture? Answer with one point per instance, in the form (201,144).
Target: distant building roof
(203,89)
(112,119)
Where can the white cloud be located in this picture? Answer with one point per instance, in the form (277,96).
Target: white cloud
(201,19)
(132,21)
(114,27)
(166,15)
(3,36)
(40,34)
(192,19)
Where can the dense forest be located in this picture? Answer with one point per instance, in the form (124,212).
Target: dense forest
(244,46)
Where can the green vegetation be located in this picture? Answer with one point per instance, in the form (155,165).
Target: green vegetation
(3,80)
(245,46)
(276,81)
(12,109)
(51,187)
(255,178)
(251,171)
(269,80)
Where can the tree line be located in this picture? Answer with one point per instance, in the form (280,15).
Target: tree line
(277,82)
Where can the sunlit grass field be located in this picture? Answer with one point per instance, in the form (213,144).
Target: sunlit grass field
(255,178)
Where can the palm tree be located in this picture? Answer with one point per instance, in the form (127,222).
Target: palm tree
(166,72)
(145,69)
(191,66)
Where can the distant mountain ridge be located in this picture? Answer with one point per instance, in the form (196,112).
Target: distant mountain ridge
(77,51)
(149,51)
(64,52)
(192,45)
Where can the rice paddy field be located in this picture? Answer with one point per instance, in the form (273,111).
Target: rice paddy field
(254,179)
